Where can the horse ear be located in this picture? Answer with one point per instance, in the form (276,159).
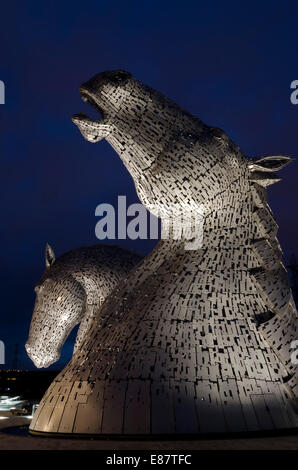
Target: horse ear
(269,164)
(49,256)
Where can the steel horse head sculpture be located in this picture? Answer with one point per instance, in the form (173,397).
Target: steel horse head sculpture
(190,341)
(71,290)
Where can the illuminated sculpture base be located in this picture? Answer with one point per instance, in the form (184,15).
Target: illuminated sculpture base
(191,341)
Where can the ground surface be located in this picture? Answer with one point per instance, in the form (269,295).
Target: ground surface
(14,442)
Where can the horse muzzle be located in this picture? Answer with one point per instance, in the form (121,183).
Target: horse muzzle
(41,359)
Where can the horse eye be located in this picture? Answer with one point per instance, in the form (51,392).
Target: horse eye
(119,76)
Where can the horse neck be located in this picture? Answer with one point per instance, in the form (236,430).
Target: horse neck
(96,286)
(227,229)
(96,290)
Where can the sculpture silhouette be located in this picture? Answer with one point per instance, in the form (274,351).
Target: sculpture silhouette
(191,341)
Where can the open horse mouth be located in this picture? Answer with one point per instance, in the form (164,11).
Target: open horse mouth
(92,130)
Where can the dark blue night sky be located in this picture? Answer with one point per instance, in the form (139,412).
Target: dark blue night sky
(230,63)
